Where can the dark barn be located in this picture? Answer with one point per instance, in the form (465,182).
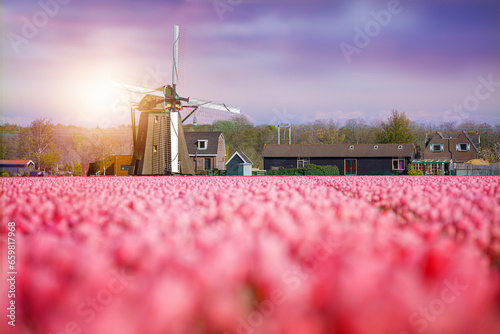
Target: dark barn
(17,167)
(363,159)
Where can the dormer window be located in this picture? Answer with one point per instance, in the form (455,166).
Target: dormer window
(202,144)
(400,147)
(463,147)
(436,147)
(351,147)
(375,147)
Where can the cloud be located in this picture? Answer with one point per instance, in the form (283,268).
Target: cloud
(263,55)
(337,116)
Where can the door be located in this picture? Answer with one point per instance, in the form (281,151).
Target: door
(208,165)
(350,167)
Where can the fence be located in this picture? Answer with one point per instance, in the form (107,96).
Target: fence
(469,169)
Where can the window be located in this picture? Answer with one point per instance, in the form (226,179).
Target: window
(301,162)
(432,169)
(125,167)
(351,147)
(155,148)
(207,164)
(375,147)
(202,144)
(400,147)
(156,119)
(398,164)
(350,167)
(436,147)
(463,147)
(419,166)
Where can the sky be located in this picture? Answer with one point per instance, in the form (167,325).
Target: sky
(280,61)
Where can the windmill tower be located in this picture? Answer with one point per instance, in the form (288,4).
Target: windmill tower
(159,145)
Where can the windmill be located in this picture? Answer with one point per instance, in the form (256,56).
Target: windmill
(159,145)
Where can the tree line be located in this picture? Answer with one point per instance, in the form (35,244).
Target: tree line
(62,147)
(242,135)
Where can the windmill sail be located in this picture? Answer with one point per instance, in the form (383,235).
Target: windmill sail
(192,101)
(137,89)
(213,105)
(175,63)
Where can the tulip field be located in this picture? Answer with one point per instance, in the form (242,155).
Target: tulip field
(231,255)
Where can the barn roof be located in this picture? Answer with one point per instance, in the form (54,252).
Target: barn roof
(212,137)
(340,150)
(15,162)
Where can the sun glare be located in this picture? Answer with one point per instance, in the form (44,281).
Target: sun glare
(98,91)
(94,99)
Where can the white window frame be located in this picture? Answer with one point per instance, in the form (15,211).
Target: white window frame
(398,160)
(459,148)
(205,144)
(441,147)
(303,161)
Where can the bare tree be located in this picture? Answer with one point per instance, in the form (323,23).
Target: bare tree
(42,135)
(37,141)
(357,131)
(327,132)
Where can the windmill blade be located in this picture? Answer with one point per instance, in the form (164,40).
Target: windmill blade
(175,63)
(213,105)
(207,115)
(137,89)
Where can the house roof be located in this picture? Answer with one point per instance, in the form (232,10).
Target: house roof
(15,162)
(472,136)
(340,150)
(242,156)
(474,139)
(212,137)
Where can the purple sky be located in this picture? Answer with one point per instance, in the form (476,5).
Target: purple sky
(279,61)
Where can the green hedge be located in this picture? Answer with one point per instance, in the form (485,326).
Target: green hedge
(309,169)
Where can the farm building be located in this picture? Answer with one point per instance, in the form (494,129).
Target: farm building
(239,164)
(362,159)
(17,167)
(117,165)
(207,150)
(85,168)
(444,149)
